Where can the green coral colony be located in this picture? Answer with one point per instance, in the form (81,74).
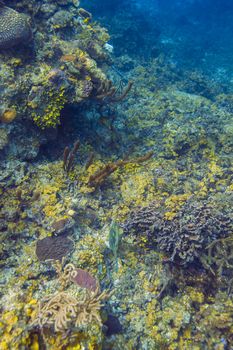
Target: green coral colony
(129,249)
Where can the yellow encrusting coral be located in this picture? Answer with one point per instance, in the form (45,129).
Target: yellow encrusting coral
(52,112)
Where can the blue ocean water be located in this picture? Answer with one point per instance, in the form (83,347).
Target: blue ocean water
(193,34)
(116,175)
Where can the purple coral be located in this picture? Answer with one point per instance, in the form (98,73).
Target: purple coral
(85,280)
(53,248)
(185,237)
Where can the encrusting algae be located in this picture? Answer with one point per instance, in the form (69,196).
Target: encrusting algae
(115,191)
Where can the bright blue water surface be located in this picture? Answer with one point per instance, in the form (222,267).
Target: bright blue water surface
(193,34)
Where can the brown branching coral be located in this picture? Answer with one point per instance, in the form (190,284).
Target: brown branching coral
(124,93)
(99,176)
(89,160)
(69,156)
(139,160)
(108,93)
(104,90)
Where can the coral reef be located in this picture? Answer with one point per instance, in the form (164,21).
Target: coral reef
(99,176)
(66,310)
(108,93)
(61,66)
(68,156)
(191,230)
(140,205)
(53,248)
(8,116)
(143,220)
(56,310)
(220,255)
(183,236)
(14,28)
(85,280)
(69,273)
(60,309)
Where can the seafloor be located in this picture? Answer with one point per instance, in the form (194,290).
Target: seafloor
(115,191)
